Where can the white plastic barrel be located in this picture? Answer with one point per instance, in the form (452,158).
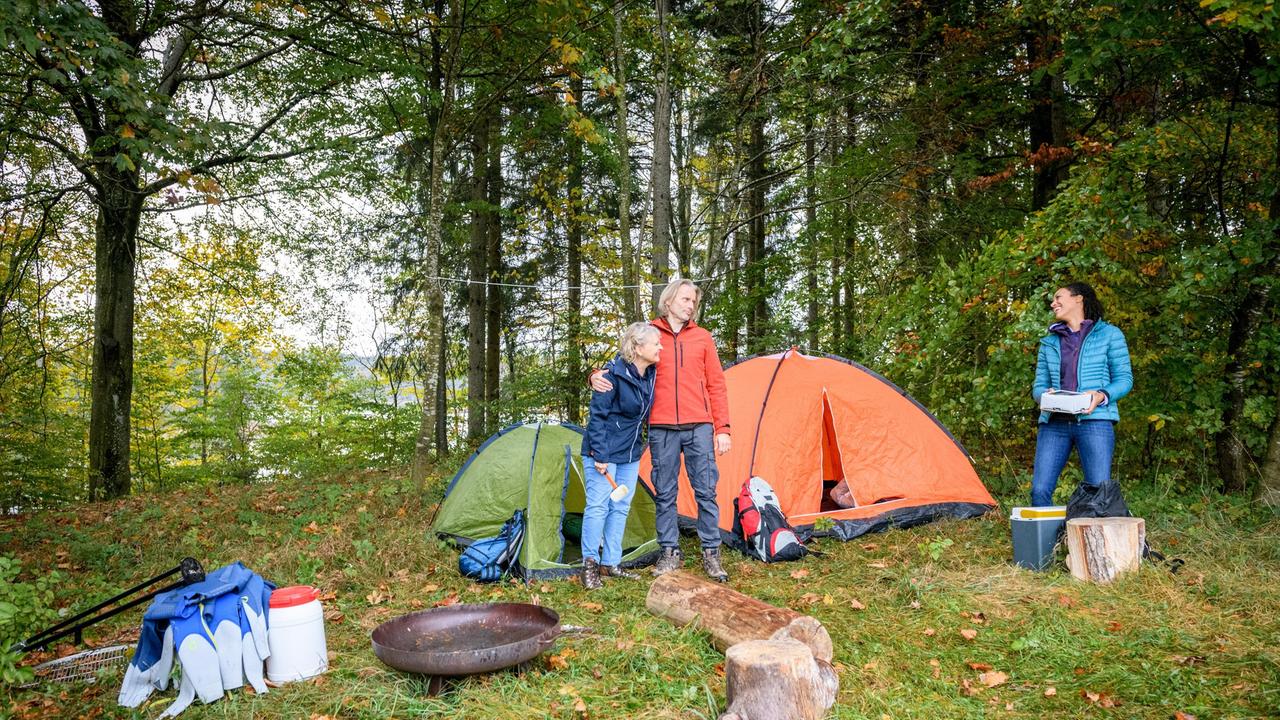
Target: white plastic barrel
(295,635)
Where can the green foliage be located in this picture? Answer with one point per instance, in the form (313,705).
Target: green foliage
(24,606)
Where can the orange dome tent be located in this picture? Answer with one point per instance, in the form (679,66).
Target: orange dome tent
(804,423)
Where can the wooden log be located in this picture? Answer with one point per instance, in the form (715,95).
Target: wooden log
(730,616)
(1100,549)
(777,680)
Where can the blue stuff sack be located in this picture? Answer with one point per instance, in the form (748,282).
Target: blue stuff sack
(489,559)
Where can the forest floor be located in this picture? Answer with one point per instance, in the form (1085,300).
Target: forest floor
(931,622)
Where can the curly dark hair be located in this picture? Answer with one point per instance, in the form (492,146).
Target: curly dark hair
(1092,306)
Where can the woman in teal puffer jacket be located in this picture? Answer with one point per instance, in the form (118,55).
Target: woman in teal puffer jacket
(1081,353)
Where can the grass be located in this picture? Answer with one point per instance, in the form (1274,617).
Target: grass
(921,626)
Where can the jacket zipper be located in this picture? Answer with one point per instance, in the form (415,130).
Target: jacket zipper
(636,437)
(675,339)
(1080,357)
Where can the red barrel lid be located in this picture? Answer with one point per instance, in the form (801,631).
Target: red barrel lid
(293,595)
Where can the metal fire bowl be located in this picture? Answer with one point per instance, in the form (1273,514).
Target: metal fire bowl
(466,639)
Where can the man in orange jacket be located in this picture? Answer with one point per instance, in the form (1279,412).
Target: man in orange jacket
(690,416)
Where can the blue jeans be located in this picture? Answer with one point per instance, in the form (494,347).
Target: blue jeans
(1094,441)
(604,520)
(697,445)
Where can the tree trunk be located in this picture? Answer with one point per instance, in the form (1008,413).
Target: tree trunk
(115,232)
(834,140)
(731,617)
(660,171)
(573,383)
(757,290)
(442,385)
(684,191)
(1269,487)
(1046,125)
(1101,549)
(777,680)
(630,278)
(811,236)
(493,262)
(847,307)
(433,334)
(476,274)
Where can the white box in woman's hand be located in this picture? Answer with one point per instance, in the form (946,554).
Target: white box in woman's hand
(1065,401)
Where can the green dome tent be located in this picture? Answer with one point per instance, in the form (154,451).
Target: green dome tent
(536,467)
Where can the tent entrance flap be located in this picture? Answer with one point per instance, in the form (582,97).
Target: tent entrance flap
(572,507)
(832,458)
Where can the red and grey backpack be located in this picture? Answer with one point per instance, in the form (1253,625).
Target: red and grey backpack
(758,520)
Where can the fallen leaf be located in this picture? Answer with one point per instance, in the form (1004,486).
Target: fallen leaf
(718,669)
(930,632)
(966,688)
(593,607)
(856,605)
(365,673)
(580,705)
(546,589)
(1065,601)
(1179,715)
(799,574)
(625,644)
(560,660)
(1050,691)
(810,598)
(334,616)
(869,666)
(313,528)
(449,600)
(880,565)
(969,633)
(430,588)
(937,667)
(995,678)
(915,605)
(827,599)
(1101,699)
(980,667)
(568,690)
(1114,626)
(1189,659)
(978,618)
(870,546)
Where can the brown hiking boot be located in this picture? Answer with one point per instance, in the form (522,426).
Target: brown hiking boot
(711,565)
(591,574)
(671,559)
(616,571)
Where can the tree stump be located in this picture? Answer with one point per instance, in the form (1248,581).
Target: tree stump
(777,680)
(1099,549)
(732,617)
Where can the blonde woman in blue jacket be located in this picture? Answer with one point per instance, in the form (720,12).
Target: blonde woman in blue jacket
(614,441)
(1081,353)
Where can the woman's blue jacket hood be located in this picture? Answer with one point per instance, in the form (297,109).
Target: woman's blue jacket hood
(1103,365)
(616,429)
